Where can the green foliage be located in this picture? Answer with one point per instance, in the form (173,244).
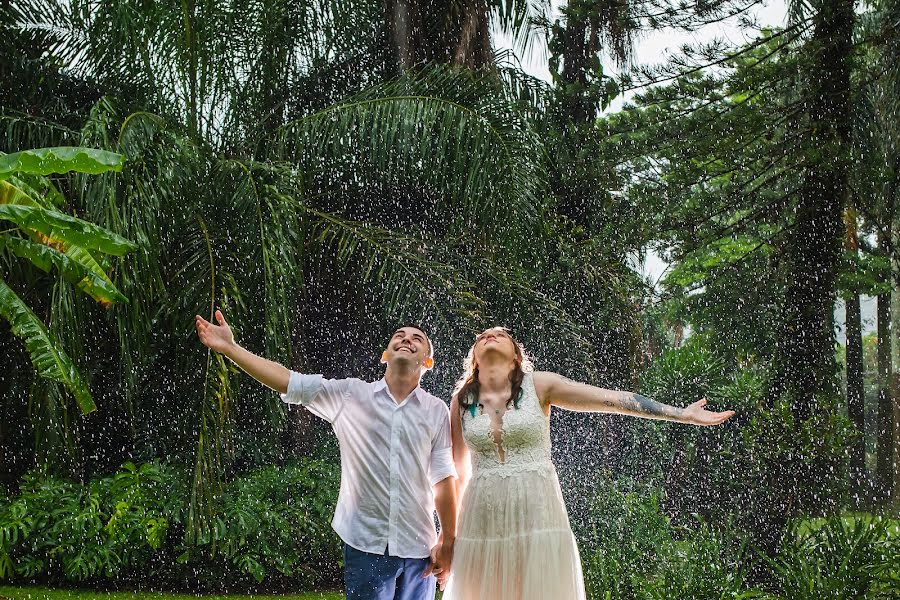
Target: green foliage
(632,551)
(271,526)
(47,356)
(625,539)
(59,530)
(57,241)
(701,565)
(62,229)
(746,469)
(46,161)
(274,525)
(474,132)
(92,282)
(838,558)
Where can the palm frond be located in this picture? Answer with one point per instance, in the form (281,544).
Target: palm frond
(449,131)
(21,131)
(401,263)
(524,22)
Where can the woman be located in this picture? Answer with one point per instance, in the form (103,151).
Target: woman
(514,540)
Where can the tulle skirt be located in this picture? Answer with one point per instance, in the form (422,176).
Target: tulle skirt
(514,540)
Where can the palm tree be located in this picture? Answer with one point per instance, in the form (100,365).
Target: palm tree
(249,192)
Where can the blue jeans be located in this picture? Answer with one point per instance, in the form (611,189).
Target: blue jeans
(383,577)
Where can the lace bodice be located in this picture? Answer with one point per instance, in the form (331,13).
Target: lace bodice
(524,435)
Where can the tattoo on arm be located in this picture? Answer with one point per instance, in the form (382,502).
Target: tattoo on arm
(643,405)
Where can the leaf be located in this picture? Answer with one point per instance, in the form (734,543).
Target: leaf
(41,189)
(59,227)
(46,258)
(47,356)
(12,194)
(62,159)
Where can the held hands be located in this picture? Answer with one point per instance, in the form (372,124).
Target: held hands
(216,337)
(441,557)
(695,414)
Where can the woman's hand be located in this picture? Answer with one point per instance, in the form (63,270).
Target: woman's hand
(696,414)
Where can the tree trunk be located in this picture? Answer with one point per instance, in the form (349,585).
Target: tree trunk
(895,374)
(884,464)
(573,74)
(473,44)
(449,33)
(804,362)
(404,22)
(805,358)
(854,367)
(888,461)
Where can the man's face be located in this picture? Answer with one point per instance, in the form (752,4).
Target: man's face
(408,344)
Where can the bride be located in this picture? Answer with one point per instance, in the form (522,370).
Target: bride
(514,540)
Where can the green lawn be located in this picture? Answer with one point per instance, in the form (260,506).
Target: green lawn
(38,593)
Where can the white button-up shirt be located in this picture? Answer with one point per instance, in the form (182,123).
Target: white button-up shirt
(391,455)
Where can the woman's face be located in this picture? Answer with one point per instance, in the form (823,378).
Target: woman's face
(494,341)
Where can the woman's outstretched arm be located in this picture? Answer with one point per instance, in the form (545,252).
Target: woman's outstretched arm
(556,390)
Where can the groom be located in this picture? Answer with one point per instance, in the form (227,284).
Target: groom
(396,462)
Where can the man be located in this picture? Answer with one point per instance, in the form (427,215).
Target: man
(396,462)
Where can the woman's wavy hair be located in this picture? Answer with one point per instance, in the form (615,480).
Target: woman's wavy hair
(467,387)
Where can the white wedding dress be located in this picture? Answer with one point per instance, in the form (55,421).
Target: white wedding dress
(514,540)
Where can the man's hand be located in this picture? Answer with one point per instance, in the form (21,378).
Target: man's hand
(697,415)
(441,557)
(216,337)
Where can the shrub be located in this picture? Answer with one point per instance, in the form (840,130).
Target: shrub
(623,539)
(632,551)
(744,472)
(274,525)
(271,526)
(703,565)
(837,558)
(56,530)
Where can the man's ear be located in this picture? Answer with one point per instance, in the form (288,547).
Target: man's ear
(384,357)
(428,363)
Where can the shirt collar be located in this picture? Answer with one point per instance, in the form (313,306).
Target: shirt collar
(381,384)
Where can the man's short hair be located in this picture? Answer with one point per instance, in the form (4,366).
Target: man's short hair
(422,329)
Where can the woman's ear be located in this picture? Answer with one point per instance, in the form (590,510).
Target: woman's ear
(428,363)
(384,357)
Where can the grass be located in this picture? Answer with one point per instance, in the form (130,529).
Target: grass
(893,525)
(39,593)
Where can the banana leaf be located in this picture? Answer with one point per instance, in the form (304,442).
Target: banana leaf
(86,276)
(13,194)
(47,356)
(63,229)
(62,159)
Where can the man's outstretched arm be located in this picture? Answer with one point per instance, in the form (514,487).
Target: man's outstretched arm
(221,339)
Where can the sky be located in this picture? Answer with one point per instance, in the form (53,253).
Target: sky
(655,48)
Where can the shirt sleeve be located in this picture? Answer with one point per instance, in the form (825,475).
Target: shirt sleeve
(441,466)
(324,398)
